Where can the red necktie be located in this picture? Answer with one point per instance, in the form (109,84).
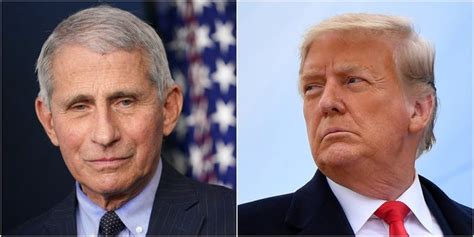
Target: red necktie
(394,213)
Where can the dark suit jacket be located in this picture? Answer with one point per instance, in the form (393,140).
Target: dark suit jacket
(314,210)
(181,207)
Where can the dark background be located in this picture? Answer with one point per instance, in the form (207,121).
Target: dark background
(34,176)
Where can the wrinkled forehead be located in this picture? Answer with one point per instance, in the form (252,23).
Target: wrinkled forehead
(346,46)
(347,37)
(73,57)
(77,66)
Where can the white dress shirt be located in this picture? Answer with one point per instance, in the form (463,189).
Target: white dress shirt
(360,209)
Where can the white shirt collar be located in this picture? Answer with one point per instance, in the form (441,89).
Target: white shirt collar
(359,208)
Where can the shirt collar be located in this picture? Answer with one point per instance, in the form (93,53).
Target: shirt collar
(135,214)
(359,208)
(415,200)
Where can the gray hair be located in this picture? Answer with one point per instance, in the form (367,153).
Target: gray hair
(413,56)
(104,29)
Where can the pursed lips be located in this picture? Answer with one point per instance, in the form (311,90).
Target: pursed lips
(333,130)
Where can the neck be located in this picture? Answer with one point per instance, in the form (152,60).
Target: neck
(371,180)
(382,188)
(389,187)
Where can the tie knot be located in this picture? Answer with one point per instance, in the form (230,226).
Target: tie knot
(392,211)
(110,224)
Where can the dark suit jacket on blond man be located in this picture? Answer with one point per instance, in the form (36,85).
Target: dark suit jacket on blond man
(315,210)
(181,207)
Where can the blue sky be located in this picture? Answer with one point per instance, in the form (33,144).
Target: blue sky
(272,147)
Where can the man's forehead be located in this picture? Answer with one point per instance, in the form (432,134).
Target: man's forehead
(346,55)
(75,56)
(79,70)
(78,61)
(351,39)
(338,67)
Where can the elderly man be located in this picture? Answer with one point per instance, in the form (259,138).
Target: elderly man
(369,97)
(106,100)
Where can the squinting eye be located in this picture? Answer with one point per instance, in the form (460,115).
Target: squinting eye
(351,80)
(79,107)
(312,89)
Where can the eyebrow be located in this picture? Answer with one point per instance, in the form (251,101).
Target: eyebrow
(312,74)
(125,93)
(110,97)
(339,69)
(76,98)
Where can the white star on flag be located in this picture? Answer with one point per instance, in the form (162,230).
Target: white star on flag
(224,35)
(224,156)
(179,43)
(199,6)
(202,81)
(224,75)
(202,38)
(224,115)
(198,117)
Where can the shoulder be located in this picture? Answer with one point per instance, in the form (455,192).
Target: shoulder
(58,220)
(216,201)
(216,197)
(442,199)
(272,205)
(33,226)
(205,190)
(172,182)
(265,216)
(458,216)
(216,204)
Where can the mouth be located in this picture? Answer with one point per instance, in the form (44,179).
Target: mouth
(109,162)
(334,131)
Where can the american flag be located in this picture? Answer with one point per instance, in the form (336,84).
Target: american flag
(200,39)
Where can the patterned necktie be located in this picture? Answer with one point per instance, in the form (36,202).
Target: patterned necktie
(394,213)
(110,224)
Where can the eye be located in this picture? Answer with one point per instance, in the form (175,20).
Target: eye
(79,107)
(311,89)
(126,102)
(351,80)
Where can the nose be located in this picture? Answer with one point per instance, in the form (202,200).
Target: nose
(105,131)
(331,102)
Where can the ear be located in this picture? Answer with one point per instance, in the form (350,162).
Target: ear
(421,114)
(172,109)
(46,119)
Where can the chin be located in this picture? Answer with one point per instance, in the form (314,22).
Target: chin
(336,157)
(108,186)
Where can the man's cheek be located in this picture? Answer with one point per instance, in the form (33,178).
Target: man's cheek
(70,140)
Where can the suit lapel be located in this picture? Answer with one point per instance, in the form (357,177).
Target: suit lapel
(62,219)
(174,209)
(452,219)
(315,210)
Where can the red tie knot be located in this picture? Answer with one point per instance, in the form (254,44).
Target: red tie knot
(392,211)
